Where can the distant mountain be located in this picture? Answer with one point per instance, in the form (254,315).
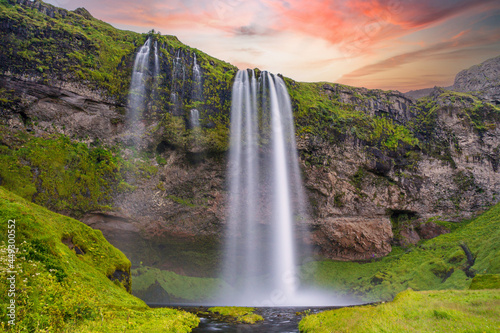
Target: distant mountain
(482,81)
(419,93)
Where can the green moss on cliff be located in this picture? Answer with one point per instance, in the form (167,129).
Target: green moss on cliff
(57,173)
(68,46)
(319,112)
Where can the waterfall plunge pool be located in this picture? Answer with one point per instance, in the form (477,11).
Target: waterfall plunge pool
(276,319)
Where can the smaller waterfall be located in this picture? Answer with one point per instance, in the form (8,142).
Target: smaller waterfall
(157,62)
(178,78)
(197,88)
(195,118)
(136,99)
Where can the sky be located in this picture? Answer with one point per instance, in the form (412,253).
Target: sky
(393,44)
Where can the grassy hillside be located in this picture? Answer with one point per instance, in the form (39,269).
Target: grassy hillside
(435,311)
(64,272)
(436,264)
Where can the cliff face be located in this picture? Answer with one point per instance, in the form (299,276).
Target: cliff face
(376,164)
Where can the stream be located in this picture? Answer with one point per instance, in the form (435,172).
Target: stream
(276,319)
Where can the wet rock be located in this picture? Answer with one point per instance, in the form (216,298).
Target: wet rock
(431,230)
(409,236)
(52,109)
(354,238)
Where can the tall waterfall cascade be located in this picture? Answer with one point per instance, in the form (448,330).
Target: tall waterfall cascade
(136,99)
(266,213)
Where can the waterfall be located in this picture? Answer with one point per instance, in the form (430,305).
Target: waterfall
(197,88)
(136,98)
(265,190)
(178,77)
(195,118)
(157,62)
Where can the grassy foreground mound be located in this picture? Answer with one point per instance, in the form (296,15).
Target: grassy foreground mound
(240,314)
(426,311)
(445,262)
(62,273)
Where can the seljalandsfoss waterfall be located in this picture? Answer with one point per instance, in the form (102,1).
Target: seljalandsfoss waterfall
(265,233)
(266,239)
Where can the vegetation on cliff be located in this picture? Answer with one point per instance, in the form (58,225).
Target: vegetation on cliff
(445,262)
(64,277)
(320,112)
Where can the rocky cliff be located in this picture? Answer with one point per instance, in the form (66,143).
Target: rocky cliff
(481,80)
(377,164)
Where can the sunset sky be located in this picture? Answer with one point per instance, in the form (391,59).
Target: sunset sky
(394,44)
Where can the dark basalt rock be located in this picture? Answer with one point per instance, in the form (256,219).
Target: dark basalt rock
(122,277)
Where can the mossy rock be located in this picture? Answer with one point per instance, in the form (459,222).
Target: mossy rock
(239,314)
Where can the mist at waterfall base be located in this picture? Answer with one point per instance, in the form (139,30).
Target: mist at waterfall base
(266,234)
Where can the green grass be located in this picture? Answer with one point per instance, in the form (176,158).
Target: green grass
(59,290)
(436,264)
(179,287)
(150,320)
(240,314)
(428,311)
(485,281)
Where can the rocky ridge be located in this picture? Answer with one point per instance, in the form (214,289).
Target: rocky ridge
(481,80)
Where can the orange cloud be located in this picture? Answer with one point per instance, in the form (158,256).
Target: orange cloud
(453,48)
(358,25)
